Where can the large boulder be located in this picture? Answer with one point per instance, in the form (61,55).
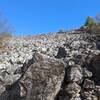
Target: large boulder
(46,76)
(42,80)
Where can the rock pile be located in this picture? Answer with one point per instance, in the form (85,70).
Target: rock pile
(82,69)
(53,67)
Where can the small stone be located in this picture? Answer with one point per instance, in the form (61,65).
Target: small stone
(97,91)
(88,84)
(76,98)
(87,73)
(87,96)
(43,50)
(73,89)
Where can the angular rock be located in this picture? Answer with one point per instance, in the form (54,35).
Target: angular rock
(47,77)
(73,89)
(43,50)
(87,73)
(97,91)
(88,84)
(75,74)
(61,53)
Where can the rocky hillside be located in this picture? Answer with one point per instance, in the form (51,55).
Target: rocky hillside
(50,67)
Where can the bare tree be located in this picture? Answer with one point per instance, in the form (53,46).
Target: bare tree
(6,31)
(5,28)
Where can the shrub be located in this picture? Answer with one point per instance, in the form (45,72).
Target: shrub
(89,22)
(89,25)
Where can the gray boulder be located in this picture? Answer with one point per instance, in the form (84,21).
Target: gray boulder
(46,78)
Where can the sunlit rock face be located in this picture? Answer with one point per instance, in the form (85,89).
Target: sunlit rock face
(47,77)
(54,67)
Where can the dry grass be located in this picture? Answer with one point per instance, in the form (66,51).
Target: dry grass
(3,38)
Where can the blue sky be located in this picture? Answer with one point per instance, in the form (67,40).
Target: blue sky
(43,16)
